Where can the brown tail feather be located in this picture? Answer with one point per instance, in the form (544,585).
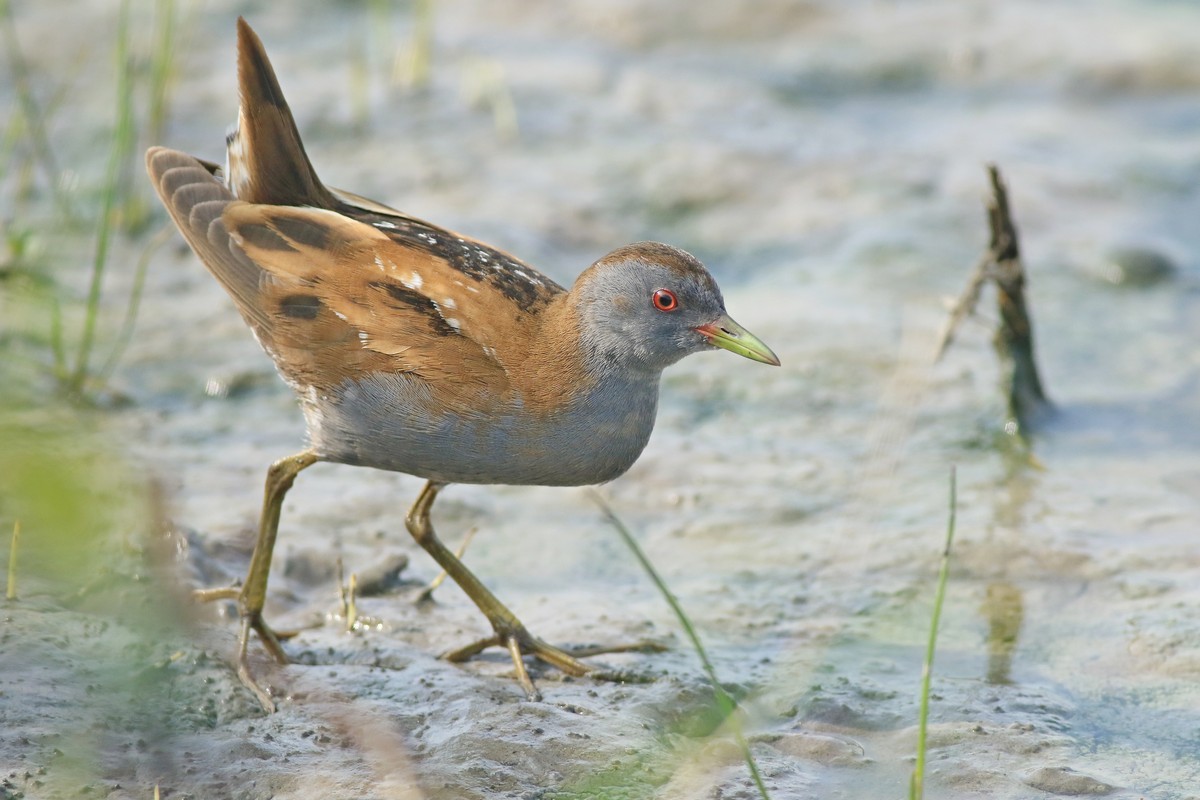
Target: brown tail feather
(267,162)
(196,201)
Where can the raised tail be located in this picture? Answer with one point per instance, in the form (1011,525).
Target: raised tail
(266,159)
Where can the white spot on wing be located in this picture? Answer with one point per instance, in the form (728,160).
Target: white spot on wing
(528,278)
(383,223)
(449,303)
(451,321)
(414,281)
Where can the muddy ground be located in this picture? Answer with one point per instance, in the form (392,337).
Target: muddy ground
(826,160)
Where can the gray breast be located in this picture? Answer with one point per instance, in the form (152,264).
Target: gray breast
(390,422)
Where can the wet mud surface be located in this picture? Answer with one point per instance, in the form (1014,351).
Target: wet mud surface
(826,161)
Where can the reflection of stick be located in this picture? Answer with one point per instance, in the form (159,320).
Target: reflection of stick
(1014,339)
(347,596)
(1005,613)
(343,603)
(352,603)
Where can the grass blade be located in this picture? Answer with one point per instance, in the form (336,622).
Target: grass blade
(123,139)
(35,119)
(135,301)
(10,592)
(725,702)
(916,789)
(161,67)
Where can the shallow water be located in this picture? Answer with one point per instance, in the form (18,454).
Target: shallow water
(826,160)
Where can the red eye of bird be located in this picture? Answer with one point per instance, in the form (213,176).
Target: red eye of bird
(665,300)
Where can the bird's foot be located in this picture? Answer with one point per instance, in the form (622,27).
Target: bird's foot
(250,621)
(519,643)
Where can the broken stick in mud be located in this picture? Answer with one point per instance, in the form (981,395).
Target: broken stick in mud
(1001,263)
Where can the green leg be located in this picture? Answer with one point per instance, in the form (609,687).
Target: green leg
(509,633)
(252,594)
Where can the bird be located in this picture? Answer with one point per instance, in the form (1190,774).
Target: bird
(415,349)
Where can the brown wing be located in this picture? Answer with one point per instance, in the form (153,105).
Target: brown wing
(335,285)
(477,290)
(342,299)
(290,323)
(331,297)
(309,283)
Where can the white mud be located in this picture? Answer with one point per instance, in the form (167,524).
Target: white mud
(826,160)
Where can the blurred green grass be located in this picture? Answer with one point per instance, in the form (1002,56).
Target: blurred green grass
(52,330)
(92,614)
(91,617)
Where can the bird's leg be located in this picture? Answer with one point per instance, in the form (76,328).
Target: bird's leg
(252,594)
(509,633)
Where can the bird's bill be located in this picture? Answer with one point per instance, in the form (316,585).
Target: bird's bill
(728,335)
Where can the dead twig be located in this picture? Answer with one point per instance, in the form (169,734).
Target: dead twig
(1001,264)
(964,306)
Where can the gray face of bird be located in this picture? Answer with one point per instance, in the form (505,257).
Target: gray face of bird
(639,314)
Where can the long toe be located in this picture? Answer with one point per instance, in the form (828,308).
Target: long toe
(250,682)
(212,595)
(558,658)
(520,643)
(243,660)
(513,645)
(469,651)
(270,639)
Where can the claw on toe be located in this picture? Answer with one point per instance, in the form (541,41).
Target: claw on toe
(519,644)
(270,639)
(250,621)
(247,679)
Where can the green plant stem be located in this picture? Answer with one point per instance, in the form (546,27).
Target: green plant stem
(413,68)
(34,119)
(725,702)
(122,145)
(56,339)
(135,301)
(10,592)
(161,67)
(13,132)
(422,42)
(916,789)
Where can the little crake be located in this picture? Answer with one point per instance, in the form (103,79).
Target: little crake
(416,349)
